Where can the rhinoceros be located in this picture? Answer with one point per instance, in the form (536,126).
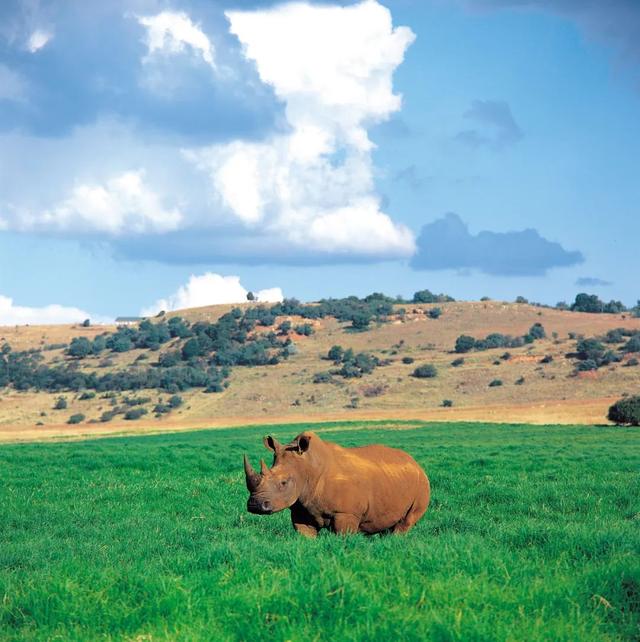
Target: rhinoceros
(370,489)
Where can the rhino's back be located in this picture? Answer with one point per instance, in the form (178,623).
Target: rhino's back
(386,481)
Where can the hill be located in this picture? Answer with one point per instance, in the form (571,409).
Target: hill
(540,377)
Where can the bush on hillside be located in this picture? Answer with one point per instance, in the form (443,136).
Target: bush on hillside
(434,313)
(495,383)
(426,371)
(135,413)
(464,343)
(76,419)
(626,411)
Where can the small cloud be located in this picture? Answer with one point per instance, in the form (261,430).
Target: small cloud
(38,39)
(172,32)
(447,244)
(591,281)
(495,125)
(11,314)
(210,289)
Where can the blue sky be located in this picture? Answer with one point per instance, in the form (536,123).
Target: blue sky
(150,151)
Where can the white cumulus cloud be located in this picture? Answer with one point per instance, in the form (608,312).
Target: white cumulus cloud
(210,289)
(38,39)
(172,32)
(314,186)
(122,205)
(11,314)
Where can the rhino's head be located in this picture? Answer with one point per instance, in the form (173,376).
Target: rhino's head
(276,488)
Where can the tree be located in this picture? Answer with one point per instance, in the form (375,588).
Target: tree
(79,348)
(191,349)
(587,303)
(434,313)
(633,345)
(251,296)
(61,403)
(537,331)
(626,411)
(360,319)
(464,343)
(86,323)
(335,354)
(521,299)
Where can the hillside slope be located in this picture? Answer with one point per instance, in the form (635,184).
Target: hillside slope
(549,391)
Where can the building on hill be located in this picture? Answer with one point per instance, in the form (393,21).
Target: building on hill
(128,320)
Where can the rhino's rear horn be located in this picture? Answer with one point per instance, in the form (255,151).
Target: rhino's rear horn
(263,468)
(252,478)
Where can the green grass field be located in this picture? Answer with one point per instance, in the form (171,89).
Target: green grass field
(533,534)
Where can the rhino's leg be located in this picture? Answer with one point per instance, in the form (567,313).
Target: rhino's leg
(344,523)
(306,530)
(303,521)
(416,511)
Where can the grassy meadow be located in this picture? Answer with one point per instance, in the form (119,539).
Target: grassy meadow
(533,534)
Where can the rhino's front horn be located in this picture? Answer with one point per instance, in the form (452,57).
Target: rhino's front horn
(253,479)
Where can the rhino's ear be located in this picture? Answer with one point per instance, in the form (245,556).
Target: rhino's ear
(303,443)
(271,443)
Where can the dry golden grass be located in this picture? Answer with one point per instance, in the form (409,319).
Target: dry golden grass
(550,393)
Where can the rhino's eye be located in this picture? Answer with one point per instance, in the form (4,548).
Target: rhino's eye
(284,482)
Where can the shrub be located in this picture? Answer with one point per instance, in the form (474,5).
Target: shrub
(374,390)
(76,419)
(434,313)
(519,381)
(360,320)
(79,348)
(426,371)
(505,356)
(135,413)
(457,362)
(284,327)
(322,377)
(547,359)
(87,394)
(521,299)
(107,416)
(335,353)
(447,403)
(191,349)
(633,345)
(175,401)
(86,323)
(161,409)
(464,343)
(305,329)
(626,411)
(537,331)
(61,403)
(587,364)
(407,360)
(495,383)
(632,362)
